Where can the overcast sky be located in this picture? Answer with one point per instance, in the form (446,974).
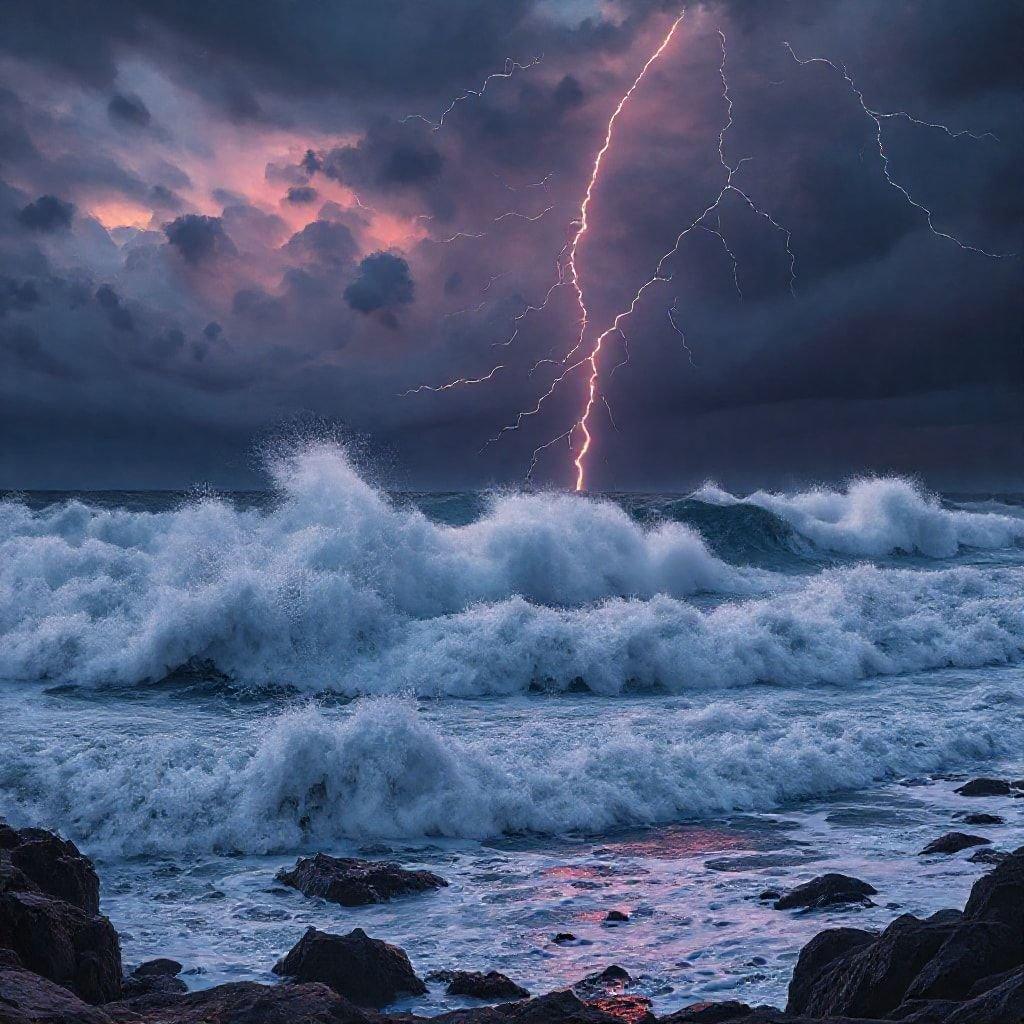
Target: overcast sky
(220,223)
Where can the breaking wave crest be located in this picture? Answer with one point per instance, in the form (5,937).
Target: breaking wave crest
(306,778)
(336,587)
(879,516)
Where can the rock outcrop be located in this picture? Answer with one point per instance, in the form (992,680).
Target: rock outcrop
(355,883)
(49,902)
(365,971)
(827,891)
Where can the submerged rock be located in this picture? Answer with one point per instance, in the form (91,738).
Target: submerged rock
(492,986)
(985,787)
(352,882)
(826,891)
(366,971)
(954,842)
(980,818)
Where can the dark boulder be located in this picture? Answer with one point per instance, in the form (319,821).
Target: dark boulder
(55,865)
(954,842)
(871,978)
(161,967)
(827,947)
(563,937)
(27,998)
(611,981)
(366,971)
(999,895)
(159,975)
(1003,1003)
(975,950)
(244,1002)
(492,986)
(985,787)
(46,890)
(355,883)
(616,917)
(826,891)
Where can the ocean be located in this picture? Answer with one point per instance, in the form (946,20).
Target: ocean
(659,704)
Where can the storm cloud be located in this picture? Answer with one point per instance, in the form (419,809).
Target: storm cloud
(213,219)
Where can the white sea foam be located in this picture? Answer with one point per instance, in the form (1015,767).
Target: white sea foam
(308,777)
(880,516)
(338,588)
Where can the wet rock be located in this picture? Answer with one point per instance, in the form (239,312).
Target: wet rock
(55,865)
(27,998)
(985,787)
(1004,1002)
(366,971)
(999,895)
(769,895)
(615,917)
(244,1002)
(872,979)
(611,981)
(159,975)
(553,1008)
(954,842)
(826,891)
(161,967)
(492,986)
(710,1013)
(52,936)
(355,883)
(987,855)
(975,950)
(630,1009)
(980,818)
(825,949)
(563,937)
(950,968)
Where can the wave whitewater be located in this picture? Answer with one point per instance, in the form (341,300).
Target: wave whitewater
(336,587)
(306,778)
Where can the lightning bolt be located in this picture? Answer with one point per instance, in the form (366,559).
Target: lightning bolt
(567,269)
(878,117)
(511,67)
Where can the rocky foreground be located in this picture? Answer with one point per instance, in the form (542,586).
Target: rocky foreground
(60,960)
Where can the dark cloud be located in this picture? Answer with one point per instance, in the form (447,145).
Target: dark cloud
(18,296)
(198,238)
(163,198)
(385,158)
(383,282)
(47,213)
(899,350)
(119,317)
(301,195)
(127,109)
(325,243)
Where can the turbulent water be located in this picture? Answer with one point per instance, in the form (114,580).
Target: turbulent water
(653,703)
